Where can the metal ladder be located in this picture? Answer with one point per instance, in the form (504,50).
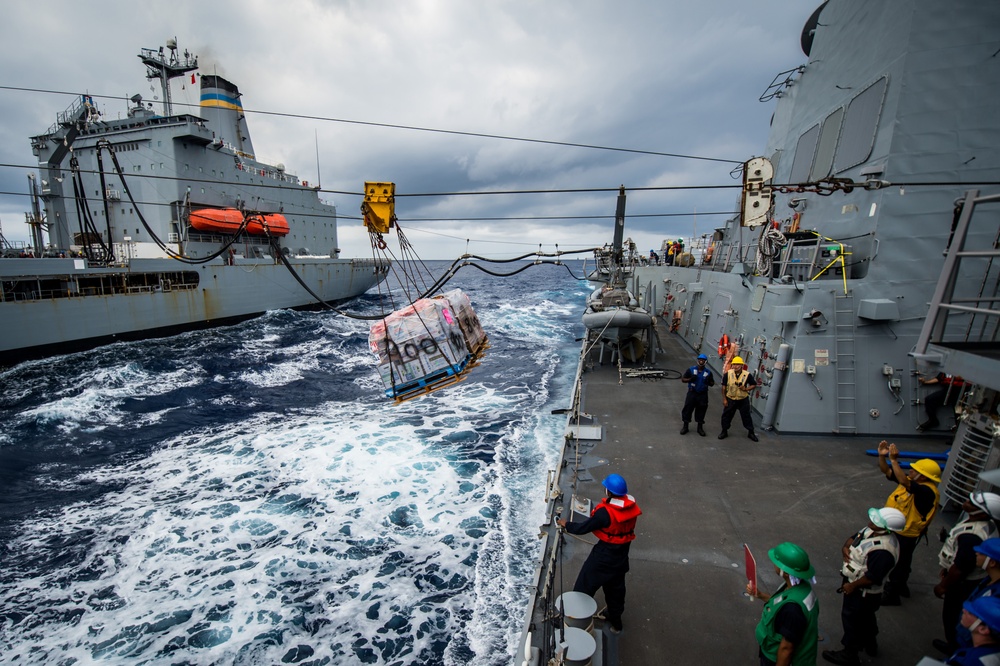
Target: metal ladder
(843,324)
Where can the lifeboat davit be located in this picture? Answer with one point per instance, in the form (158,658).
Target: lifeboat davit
(229,221)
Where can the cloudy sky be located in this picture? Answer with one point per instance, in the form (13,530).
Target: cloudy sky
(660,76)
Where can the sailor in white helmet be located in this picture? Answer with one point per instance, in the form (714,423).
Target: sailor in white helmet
(959,574)
(869,556)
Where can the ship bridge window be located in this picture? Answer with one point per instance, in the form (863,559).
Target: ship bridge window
(803,160)
(858,135)
(827,147)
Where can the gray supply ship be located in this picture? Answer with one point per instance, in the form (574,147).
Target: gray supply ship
(862,261)
(825,278)
(163,222)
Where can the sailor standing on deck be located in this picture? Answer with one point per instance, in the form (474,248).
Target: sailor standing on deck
(869,556)
(987,559)
(916,495)
(736,387)
(959,574)
(613,523)
(788,631)
(698,378)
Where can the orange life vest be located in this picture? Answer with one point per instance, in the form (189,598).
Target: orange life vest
(624,512)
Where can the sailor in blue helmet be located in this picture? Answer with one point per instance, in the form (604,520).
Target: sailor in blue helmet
(959,574)
(982,618)
(987,559)
(698,378)
(613,523)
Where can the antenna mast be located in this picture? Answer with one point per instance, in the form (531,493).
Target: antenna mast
(165,67)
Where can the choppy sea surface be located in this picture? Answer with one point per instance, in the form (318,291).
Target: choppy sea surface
(248,495)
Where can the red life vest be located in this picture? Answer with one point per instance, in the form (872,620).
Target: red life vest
(623,512)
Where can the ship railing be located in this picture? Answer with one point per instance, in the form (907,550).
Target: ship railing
(959,338)
(781,82)
(963,319)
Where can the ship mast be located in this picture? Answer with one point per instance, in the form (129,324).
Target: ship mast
(618,253)
(165,67)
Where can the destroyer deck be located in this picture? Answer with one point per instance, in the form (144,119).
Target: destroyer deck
(703,498)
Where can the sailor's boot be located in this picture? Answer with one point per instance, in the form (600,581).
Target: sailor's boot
(752,435)
(684,429)
(723,434)
(701,430)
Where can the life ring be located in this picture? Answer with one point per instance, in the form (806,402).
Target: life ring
(723,345)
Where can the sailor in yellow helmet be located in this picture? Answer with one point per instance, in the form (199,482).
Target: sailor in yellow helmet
(737,384)
(916,495)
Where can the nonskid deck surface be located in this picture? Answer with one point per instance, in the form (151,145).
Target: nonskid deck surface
(702,498)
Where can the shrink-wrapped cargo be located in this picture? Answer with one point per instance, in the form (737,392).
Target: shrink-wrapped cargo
(421,345)
(472,330)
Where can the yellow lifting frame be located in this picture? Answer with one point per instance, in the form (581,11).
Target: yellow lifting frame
(379,206)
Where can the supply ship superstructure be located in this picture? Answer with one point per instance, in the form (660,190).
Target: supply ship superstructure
(160,222)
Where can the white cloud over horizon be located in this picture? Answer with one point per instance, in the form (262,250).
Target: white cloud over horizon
(658,76)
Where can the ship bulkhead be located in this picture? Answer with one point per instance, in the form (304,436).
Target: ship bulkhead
(846,289)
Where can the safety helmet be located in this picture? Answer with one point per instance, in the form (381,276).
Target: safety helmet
(792,560)
(680,240)
(737,359)
(990,548)
(887,518)
(928,468)
(986,609)
(988,502)
(615,484)
(702,357)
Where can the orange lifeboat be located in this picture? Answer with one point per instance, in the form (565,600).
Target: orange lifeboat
(229,221)
(215,220)
(273,224)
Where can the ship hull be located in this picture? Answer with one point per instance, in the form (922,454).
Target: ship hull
(848,370)
(213,294)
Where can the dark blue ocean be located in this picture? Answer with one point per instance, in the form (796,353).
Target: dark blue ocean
(248,495)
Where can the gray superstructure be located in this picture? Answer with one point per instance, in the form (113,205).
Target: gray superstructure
(899,98)
(122,260)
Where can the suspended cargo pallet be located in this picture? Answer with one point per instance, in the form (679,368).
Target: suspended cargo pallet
(427,346)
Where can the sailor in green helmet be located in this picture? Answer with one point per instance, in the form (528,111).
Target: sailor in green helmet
(788,630)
